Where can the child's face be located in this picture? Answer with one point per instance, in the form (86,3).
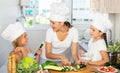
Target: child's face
(94,32)
(24,39)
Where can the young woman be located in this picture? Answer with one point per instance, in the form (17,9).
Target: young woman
(16,34)
(60,37)
(97,45)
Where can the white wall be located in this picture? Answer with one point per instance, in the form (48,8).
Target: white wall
(9,11)
(117,27)
(115,18)
(35,38)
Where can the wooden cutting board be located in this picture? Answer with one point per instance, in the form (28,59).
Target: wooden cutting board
(88,69)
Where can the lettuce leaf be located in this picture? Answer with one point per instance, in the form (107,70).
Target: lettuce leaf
(27,65)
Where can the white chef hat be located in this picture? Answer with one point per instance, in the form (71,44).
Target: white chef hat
(101,22)
(59,12)
(13,31)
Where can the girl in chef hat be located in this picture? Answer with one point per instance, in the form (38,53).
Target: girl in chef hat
(97,51)
(60,37)
(16,34)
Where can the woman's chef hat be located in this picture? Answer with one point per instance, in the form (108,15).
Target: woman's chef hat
(101,22)
(59,12)
(13,31)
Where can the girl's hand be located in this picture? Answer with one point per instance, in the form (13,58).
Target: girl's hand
(39,52)
(65,61)
(18,49)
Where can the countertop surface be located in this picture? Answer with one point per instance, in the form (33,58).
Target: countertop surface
(87,69)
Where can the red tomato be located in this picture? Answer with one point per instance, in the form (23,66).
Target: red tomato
(107,69)
(103,69)
(111,69)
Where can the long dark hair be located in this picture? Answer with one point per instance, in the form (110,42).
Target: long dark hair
(68,24)
(105,38)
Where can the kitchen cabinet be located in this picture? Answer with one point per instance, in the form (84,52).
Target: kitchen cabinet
(105,6)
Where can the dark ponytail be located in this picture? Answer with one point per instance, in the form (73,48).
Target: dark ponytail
(68,24)
(105,38)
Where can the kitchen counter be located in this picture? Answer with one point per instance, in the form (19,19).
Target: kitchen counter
(88,69)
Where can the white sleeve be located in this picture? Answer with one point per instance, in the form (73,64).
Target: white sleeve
(49,35)
(102,46)
(75,35)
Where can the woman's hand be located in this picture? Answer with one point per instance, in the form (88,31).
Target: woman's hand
(82,61)
(65,61)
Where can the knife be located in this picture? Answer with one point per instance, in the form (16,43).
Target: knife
(39,47)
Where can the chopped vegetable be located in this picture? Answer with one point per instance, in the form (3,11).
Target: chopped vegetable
(47,63)
(53,66)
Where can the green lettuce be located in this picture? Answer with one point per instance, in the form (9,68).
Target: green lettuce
(27,65)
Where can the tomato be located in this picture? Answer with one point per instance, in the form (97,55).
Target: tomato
(103,69)
(111,69)
(107,69)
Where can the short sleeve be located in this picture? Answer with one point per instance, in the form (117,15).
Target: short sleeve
(102,46)
(74,34)
(49,35)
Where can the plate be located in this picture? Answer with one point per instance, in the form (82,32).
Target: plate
(116,70)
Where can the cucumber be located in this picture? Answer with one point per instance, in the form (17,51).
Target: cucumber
(51,63)
(77,66)
(64,68)
(71,68)
(53,67)
(74,69)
